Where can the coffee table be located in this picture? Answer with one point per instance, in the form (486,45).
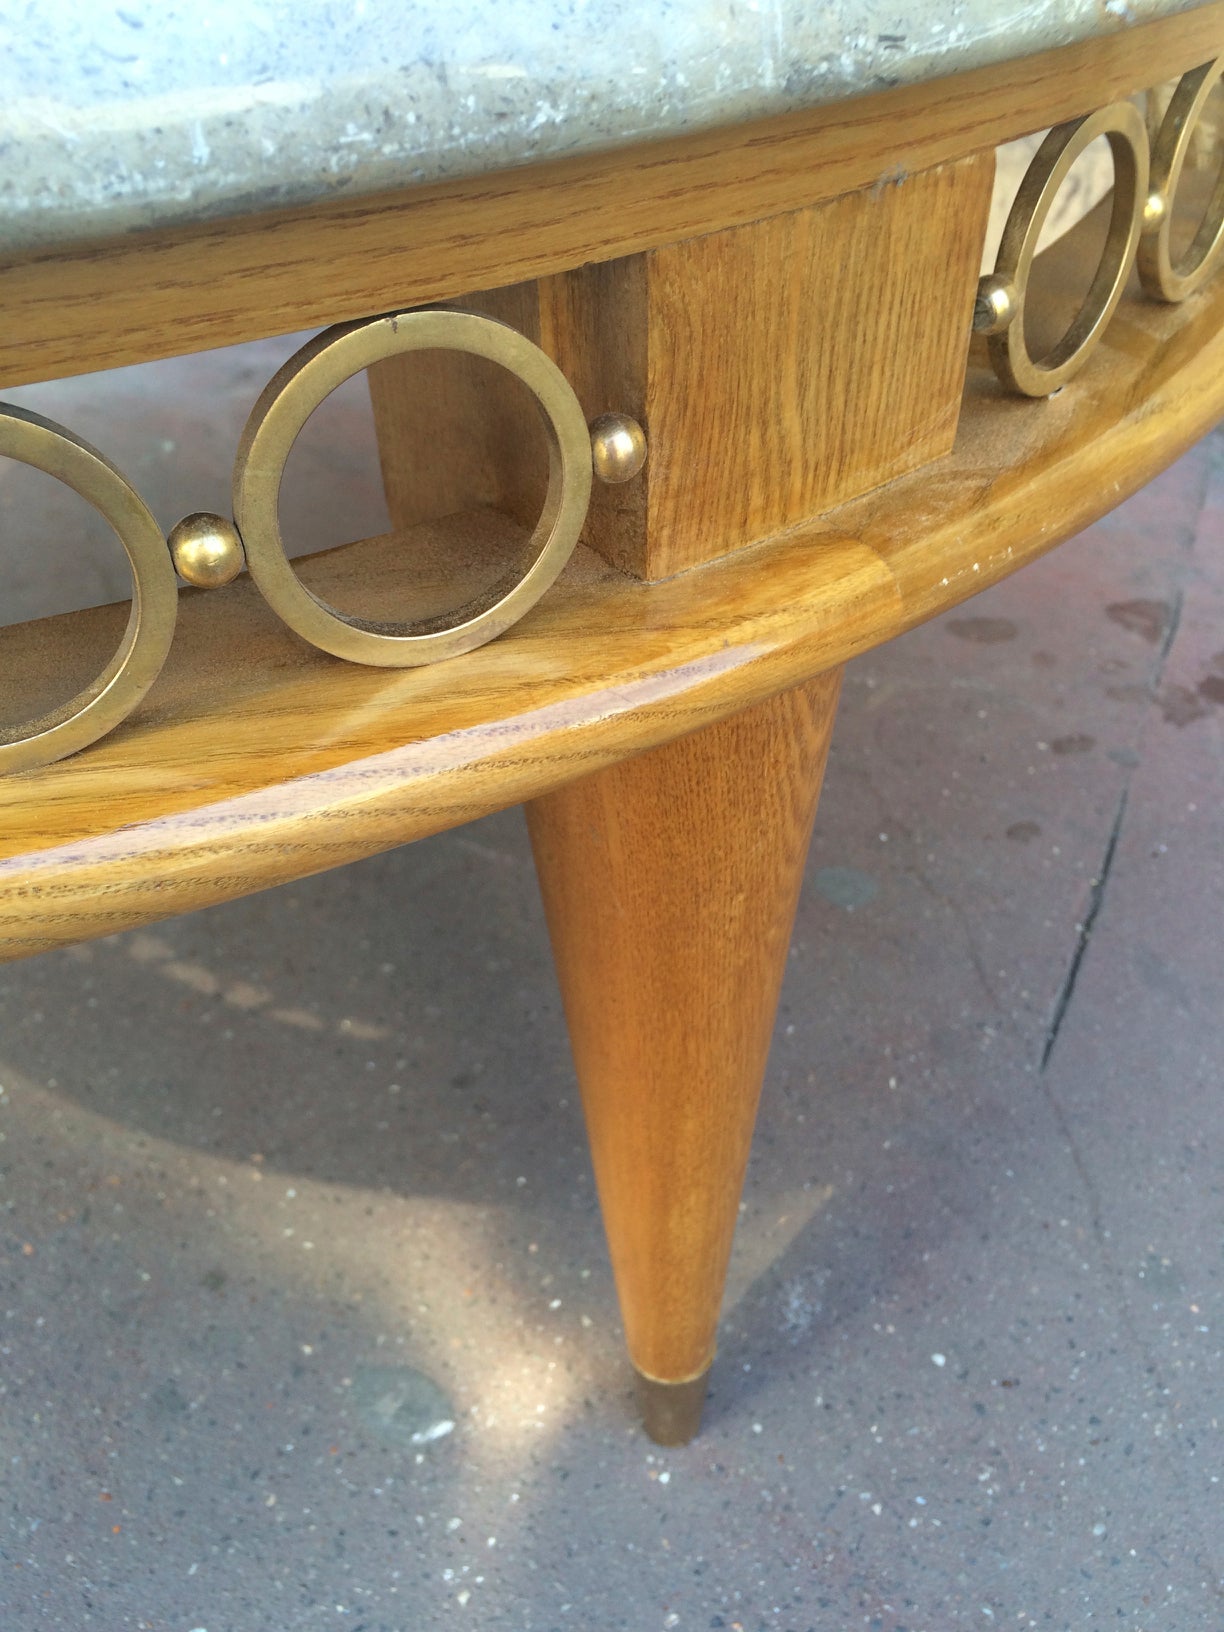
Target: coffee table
(780,406)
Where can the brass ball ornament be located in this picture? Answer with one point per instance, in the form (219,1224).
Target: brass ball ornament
(996,305)
(618,447)
(206,550)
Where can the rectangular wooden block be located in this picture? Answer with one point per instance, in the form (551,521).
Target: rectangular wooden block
(778,368)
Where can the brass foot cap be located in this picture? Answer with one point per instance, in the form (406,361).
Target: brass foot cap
(671,1412)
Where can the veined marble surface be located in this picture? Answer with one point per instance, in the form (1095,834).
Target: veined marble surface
(152,112)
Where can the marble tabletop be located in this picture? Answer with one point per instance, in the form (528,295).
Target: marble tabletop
(153,112)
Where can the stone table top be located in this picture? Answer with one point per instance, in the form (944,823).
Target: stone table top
(150,113)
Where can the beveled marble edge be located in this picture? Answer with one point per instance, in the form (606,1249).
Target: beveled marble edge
(156,113)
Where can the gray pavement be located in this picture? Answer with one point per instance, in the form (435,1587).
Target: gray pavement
(291,1185)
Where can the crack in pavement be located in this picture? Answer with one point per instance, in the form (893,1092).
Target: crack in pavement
(1097,894)
(1091,1191)
(1084,931)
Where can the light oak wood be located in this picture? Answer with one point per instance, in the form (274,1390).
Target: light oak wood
(673,735)
(164,293)
(778,368)
(595,323)
(255,760)
(670,884)
(456,432)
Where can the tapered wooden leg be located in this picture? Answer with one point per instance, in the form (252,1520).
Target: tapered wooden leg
(670,884)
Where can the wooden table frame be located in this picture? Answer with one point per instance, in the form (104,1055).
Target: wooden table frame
(786,308)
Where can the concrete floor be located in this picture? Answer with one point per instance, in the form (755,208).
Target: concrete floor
(291,1184)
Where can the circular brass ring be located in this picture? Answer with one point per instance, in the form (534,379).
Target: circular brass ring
(292,396)
(48,447)
(1160,277)
(1123,126)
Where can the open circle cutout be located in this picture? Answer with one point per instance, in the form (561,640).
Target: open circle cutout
(1122,125)
(101,705)
(292,396)
(1162,277)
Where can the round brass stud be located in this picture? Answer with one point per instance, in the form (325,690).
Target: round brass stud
(1122,125)
(995,305)
(301,385)
(206,550)
(1161,278)
(48,447)
(618,447)
(1154,211)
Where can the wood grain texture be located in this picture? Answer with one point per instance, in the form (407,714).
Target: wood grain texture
(254,760)
(595,324)
(781,367)
(165,293)
(778,368)
(824,354)
(458,432)
(670,884)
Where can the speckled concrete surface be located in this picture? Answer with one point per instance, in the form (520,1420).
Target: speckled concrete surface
(274,1171)
(154,112)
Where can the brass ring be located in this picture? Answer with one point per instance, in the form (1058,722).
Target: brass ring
(1123,125)
(286,404)
(48,447)
(1161,278)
